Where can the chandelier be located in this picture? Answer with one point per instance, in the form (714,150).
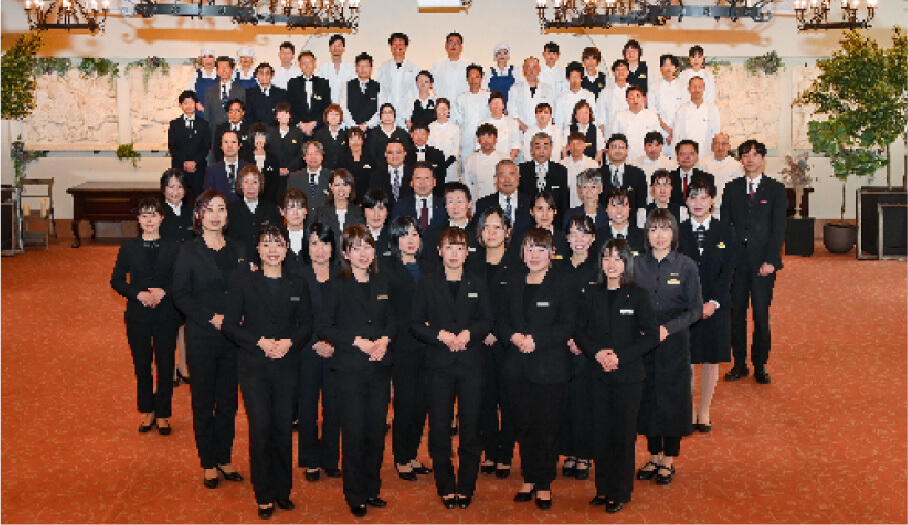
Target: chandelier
(818,11)
(67,14)
(327,14)
(571,14)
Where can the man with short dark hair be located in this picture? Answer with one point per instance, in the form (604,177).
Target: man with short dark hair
(262,98)
(450,74)
(189,142)
(397,76)
(687,154)
(337,71)
(237,123)
(540,173)
(313,178)
(393,178)
(479,169)
(361,96)
(423,205)
(308,95)
(220,93)
(222,175)
(617,173)
(420,151)
(287,69)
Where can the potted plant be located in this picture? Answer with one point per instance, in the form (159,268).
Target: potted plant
(794,175)
(862,93)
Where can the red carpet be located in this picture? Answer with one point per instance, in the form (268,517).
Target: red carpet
(826,442)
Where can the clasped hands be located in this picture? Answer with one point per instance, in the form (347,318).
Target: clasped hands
(376,350)
(524,343)
(151,297)
(323,349)
(455,343)
(275,348)
(608,359)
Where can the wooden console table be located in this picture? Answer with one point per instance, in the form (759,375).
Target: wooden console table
(107,201)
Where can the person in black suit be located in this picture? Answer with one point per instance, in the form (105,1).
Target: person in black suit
(405,267)
(332,138)
(295,211)
(544,210)
(617,173)
(313,177)
(535,330)
(687,154)
(710,243)
(269,316)
(262,100)
(661,188)
(378,138)
(264,158)
(246,217)
(497,265)
(222,176)
(425,204)
(238,124)
(286,142)
(617,328)
(357,319)
(451,314)
(361,96)
(189,141)
(375,209)
(176,224)
(317,364)
(394,176)
(618,209)
(516,205)
(151,319)
(339,212)
(754,206)
(420,151)
(354,159)
(457,208)
(217,96)
(543,174)
(308,96)
(589,187)
(205,269)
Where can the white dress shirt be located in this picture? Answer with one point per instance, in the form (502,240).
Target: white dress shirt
(446,137)
(479,173)
(282,75)
(698,123)
(551,130)
(468,111)
(450,78)
(564,105)
(512,200)
(575,168)
(508,134)
(709,83)
(296,238)
(374,120)
(724,171)
(399,83)
(336,77)
(635,126)
(611,100)
(553,76)
(522,101)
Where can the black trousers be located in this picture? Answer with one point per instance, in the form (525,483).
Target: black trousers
(463,383)
(195,182)
(410,404)
(616,406)
(212,364)
(317,382)
(362,400)
(268,394)
(497,416)
(748,288)
(666,445)
(538,411)
(147,342)
(576,438)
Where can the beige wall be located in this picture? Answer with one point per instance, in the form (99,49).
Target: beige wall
(487,23)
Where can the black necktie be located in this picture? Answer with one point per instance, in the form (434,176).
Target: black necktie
(224,95)
(424,215)
(619,235)
(312,184)
(231,176)
(509,210)
(701,237)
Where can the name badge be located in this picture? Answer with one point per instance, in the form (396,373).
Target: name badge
(503,282)
(471,249)
(293,141)
(635,254)
(294,298)
(387,253)
(625,312)
(366,166)
(674,274)
(673,281)
(556,187)
(720,245)
(473,295)
(543,304)
(558,257)
(382,297)
(764,202)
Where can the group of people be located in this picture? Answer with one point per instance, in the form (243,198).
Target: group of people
(328,251)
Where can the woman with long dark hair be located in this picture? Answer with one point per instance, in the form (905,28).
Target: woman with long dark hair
(177,226)
(339,211)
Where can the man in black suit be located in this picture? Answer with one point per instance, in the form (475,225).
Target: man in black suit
(222,175)
(515,204)
(687,153)
(620,226)
(394,178)
(223,91)
(616,173)
(262,99)
(420,151)
(189,140)
(286,141)
(543,174)
(754,205)
(360,96)
(308,96)
(424,205)
(237,124)
(313,178)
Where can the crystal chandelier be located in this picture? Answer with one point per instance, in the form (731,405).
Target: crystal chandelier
(67,14)
(813,14)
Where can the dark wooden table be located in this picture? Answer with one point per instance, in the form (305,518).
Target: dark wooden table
(108,201)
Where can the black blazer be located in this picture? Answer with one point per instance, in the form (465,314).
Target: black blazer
(215,112)
(628,326)
(189,144)
(403,289)
(678,196)
(635,238)
(333,147)
(361,170)
(383,243)
(243,225)
(407,206)
(216,179)
(522,223)
(497,277)
(178,229)
(289,149)
(716,264)
(275,185)
(555,182)
(300,179)
(758,223)
(348,313)
(260,108)
(132,260)
(200,288)
(327,215)
(381,178)
(253,312)
(377,141)
(244,136)
(601,217)
(634,182)
(300,107)
(436,158)
(550,320)
(434,310)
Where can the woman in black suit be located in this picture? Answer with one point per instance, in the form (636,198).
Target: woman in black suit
(451,314)
(404,268)
(269,316)
(497,266)
(536,327)
(378,137)
(316,367)
(357,319)
(544,212)
(617,327)
(339,212)
(673,283)
(331,136)
(576,438)
(203,273)
(295,210)
(286,142)
(375,211)
(357,161)
(267,161)
(245,217)
(151,319)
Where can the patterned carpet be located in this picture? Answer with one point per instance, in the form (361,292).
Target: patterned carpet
(825,443)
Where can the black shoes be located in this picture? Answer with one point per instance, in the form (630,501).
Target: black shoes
(612,507)
(230,476)
(377,502)
(700,427)
(421,469)
(464,501)
(737,373)
(166,429)
(285,504)
(762,376)
(522,497)
(265,513)
(543,504)
(644,474)
(503,472)
(358,510)
(211,483)
(487,469)
(449,502)
(582,473)
(181,377)
(333,473)
(599,500)
(567,471)
(408,475)
(313,475)
(147,428)
(665,479)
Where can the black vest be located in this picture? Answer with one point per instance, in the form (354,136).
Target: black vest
(595,86)
(590,150)
(427,115)
(362,105)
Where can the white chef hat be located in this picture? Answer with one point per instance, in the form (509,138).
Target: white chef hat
(206,51)
(500,46)
(245,52)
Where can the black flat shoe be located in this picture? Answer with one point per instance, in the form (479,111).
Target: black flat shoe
(503,473)
(612,507)
(176,382)
(762,376)
(165,430)
(333,472)
(313,475)
(646,475)
(665,479)
(265,513)
(464,501)
(543,504)
(285,504)
(582,473)
(146,428)
(230,476)
(522,497)
(377,502)
(294,426)
(599,500)
(486,469)
(358,510)
(737,373)
(182,378)
(211,483)
(567,471)
(407,476)
(700,427)
(421,469)
(449,502)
